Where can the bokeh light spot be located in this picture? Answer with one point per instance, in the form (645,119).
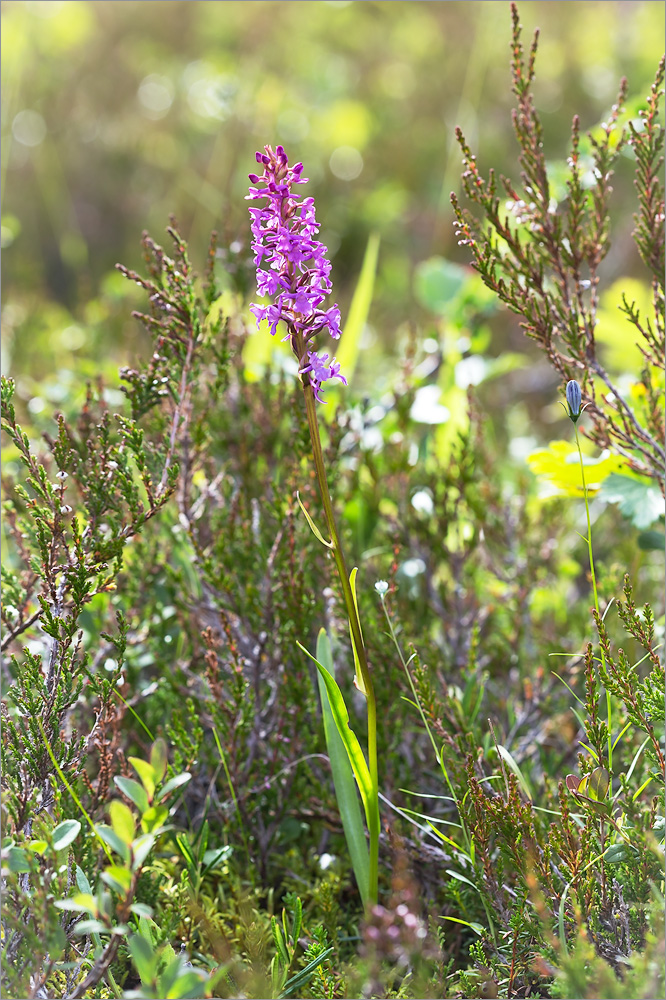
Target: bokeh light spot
(426,408)
(72,337)
(36,404)
(29,128)
(346,163)
(422,502)
(209,94)
(45,8)
(156,95)
(397,80)
(11,228)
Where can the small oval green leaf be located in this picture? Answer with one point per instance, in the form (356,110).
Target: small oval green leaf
(65,834)
(154,817)
(135,792)
(37,846)
(158,758)
(81,902)
(16,859)
(90,927)
(147,774)
(117,878)
(122,821)
(82,881)
(172,784)
(110,837)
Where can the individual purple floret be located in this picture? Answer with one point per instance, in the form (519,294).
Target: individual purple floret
(320,372)
(291,265)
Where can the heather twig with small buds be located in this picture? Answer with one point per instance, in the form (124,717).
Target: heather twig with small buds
(72,520)
(542,259)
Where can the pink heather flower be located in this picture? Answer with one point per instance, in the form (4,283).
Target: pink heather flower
(292,267)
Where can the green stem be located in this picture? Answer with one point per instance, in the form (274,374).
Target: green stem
(596,595)
(417,701)
(355,626)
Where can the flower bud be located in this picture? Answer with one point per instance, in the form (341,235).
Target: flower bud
(574,398)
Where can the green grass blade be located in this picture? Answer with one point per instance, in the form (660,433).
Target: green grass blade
(138,719)
(621,734)
(71,791)
(302,977)
(280,942)
(241,826)
(461,878)
(298,920)
(509,760)
(343,778)
(477,928)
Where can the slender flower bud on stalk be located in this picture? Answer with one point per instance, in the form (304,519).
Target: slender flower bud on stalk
(574,409)
(574,399)
(298,275)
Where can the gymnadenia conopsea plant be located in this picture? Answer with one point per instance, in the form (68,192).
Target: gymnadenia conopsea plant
(293,273)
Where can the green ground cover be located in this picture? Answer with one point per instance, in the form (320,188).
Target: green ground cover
(353,699)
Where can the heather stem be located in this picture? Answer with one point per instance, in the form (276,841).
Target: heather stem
(338,554)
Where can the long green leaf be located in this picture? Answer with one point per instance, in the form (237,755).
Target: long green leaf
(297,921)
(302,977)
(509,760)
(280,942)
(477,928)
(347,735)
(461,878)
(343,778)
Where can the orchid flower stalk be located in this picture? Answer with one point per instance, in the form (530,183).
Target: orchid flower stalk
(294,271)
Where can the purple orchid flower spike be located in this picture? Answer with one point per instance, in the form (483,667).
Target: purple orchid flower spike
(292,266)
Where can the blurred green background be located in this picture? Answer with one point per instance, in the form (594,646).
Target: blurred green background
(116,114)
